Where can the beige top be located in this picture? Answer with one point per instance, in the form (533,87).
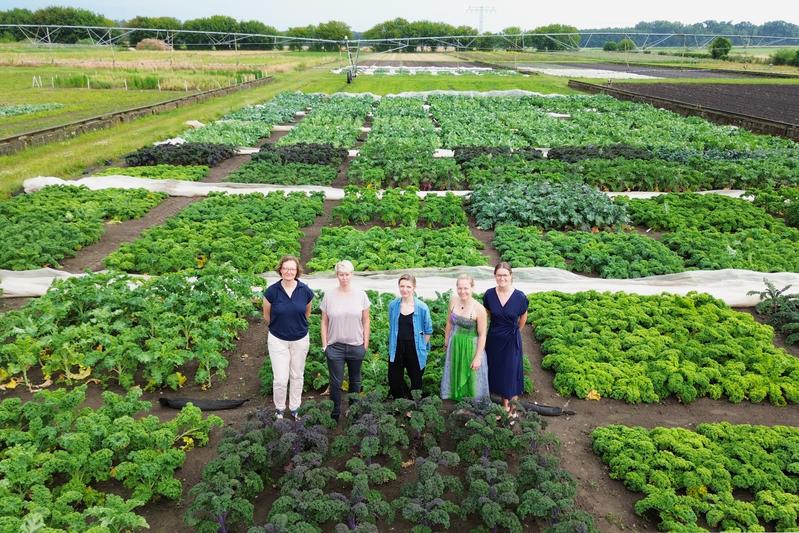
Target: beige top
(345,315)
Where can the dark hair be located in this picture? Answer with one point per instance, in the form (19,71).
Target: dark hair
(286,259)
(505,265)
(408,277)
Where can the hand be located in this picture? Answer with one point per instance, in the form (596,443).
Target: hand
(475,363)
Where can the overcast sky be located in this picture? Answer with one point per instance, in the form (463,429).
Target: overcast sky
(362,14)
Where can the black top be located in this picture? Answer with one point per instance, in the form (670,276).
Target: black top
(405,329)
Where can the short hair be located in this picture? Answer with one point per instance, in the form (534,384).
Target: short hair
(505,265)
(345,265)
(286,259)
(466,277)
(407,277)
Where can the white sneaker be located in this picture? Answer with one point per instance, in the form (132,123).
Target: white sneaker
(278,415)
(295,415)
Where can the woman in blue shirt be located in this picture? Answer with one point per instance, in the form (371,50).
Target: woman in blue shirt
(409,330)
(287,306)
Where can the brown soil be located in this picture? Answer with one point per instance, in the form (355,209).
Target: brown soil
(772,102)
(312,233)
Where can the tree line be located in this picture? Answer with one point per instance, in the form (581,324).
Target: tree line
(423,32)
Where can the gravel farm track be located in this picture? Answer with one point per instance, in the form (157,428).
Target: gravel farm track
(773,102)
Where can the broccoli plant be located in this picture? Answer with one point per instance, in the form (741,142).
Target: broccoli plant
(306,472)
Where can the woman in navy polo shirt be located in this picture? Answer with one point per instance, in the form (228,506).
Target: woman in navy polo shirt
(287,306)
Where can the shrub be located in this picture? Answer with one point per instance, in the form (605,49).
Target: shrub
(626,45)
(611,46)
(785,57)
(720,47)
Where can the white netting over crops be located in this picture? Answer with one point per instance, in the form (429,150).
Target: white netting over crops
(194,188)
(731,286)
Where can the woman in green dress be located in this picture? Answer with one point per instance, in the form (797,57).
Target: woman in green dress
(465,368)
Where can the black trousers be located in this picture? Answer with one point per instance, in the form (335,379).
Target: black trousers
(404,359)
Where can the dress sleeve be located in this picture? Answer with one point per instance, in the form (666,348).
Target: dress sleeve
(524,302)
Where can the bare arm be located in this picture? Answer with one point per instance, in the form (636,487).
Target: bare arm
(482,328)
(325,323)
(447,327)
(522,320)
(308,310)
(267,312)
(366,320)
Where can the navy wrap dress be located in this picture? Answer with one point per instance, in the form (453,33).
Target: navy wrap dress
(504,343)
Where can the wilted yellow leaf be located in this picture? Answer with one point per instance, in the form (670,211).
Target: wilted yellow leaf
(593,395)
(11,385)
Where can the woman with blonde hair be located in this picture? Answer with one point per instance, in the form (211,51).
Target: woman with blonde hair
(465,368)
(345,333)
(287,307)
(409,330)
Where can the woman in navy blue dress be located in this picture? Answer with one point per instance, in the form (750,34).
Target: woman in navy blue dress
(507,309)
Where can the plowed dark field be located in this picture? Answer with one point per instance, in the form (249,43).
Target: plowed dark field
(772,102)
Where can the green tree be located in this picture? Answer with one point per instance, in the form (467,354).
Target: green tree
(390,29)
(626,45)
(610,46)
(216,23)
(567,37)
(69,16)
(16,16)
(302,32)
(157,23)
(333,30)
(720,47)
(257,43)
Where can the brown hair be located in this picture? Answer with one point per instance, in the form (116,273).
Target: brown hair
(505,265)
(408,277)
(286,259)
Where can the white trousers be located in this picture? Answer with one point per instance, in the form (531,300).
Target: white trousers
(288,366)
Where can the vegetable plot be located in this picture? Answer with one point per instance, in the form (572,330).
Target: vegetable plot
(713,232)
(294,164)
(334,120)
(115,329)
(230,132)
(611,255)
(318,491)
(548,205)
(250,231)
(181,154)
(64,467)
(389,248)
(160,172)
(728,477)
(40,229)
(647,348)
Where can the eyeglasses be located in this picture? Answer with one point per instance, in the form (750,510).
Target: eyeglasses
(285,269)
(501,275)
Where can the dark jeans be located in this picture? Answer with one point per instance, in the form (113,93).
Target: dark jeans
(339,353)
(404,358)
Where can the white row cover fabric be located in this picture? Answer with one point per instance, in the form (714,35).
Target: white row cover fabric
(729,285)
(176,187)
(195,188)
